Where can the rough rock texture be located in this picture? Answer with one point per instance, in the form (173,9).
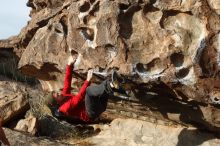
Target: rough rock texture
(167,110)
(173,42)
(21,139)
(16,98)
(9,65)
(29,124)
(215,5)
(13,99)
(138,133)
(127,132)
(167,47)
(48,125)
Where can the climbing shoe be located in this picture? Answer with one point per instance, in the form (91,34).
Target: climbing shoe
(116,80)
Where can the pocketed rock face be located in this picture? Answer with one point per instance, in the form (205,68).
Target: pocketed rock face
(146,40)
(185,5)
(166,42)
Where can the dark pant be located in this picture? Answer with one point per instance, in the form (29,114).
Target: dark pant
(96,99)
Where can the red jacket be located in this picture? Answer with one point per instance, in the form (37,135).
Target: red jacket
(75,105)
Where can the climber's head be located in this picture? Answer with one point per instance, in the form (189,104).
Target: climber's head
(56,94)
(54,98)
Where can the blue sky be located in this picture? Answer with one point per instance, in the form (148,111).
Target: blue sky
(14,15)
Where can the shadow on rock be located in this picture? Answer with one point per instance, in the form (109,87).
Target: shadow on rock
(181,110)
(193,137)
(52,127)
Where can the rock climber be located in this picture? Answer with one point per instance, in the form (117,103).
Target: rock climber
(3,138)
(91,100)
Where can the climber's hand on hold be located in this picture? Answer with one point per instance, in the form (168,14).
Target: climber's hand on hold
(70,60)
(77,62)
(89,75)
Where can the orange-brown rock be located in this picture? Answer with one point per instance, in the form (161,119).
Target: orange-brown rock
(166,46)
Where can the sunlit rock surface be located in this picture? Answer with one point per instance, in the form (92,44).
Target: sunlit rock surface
(215,5)
(169,48)
(133,132)
(29,124)
(127,132)
(163,41)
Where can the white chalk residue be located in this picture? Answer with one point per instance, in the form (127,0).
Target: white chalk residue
(104,74)
(112,53)
(146,76)
(199,44)
(199,51)
(90,44)
(83,34)
(190,79)
(77,63)
(218,49)
(177,39)
(215,99)
(177,23)
(81,15)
